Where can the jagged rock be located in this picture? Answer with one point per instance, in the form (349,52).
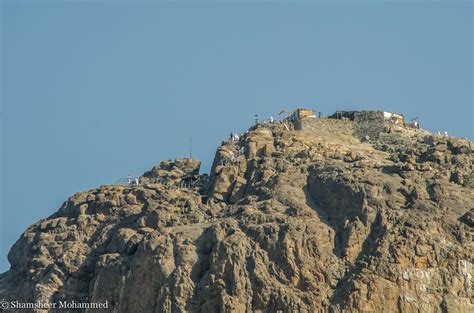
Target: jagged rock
(172,171)
(310,220)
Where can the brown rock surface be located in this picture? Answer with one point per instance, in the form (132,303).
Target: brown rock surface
(297,221)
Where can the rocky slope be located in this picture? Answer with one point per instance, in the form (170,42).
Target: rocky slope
(289,220)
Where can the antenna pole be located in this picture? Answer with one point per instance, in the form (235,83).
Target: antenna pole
(190,147)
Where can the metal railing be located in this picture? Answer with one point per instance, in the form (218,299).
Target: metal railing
(197,181)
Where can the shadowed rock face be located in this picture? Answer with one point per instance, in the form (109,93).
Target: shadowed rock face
(297,221)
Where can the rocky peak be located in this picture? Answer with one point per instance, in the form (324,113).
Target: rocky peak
(174,170)
(306,215)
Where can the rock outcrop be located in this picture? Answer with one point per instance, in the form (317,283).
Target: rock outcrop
(310,220)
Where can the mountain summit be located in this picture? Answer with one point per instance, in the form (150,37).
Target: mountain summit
(357,212)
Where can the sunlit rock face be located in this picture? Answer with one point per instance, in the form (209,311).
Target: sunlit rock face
(310,220)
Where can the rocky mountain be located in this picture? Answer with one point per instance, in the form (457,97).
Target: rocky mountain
(301,215)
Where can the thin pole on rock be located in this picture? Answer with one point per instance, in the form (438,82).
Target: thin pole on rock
(190,147)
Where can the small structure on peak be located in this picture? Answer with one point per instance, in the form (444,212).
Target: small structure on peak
(344,115)
(381,116)
(394,118)
(301,113)
(299,117)
(370,124)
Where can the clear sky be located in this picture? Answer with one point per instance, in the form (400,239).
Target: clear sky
(92,91)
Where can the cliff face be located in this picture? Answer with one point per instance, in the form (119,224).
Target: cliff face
(297,221)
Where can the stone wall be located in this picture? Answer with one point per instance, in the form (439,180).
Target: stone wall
(366,123)
(316,124)
(305,123)
(369,124)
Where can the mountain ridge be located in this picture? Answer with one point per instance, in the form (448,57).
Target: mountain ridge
(359,212)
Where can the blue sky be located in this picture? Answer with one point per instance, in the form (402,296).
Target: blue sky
(94,91)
